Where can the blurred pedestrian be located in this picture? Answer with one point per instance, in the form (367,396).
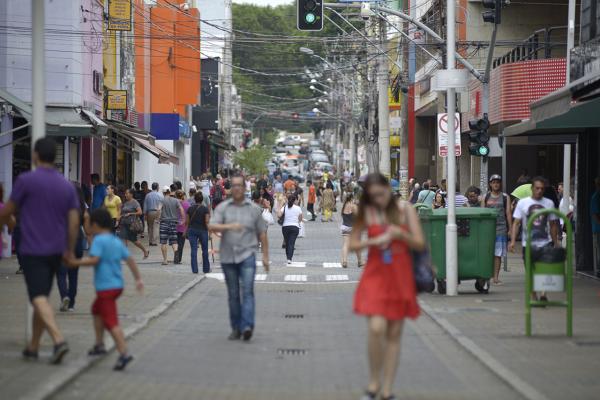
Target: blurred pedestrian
(500,201)
(349,210)
(197,219)
(242,226)
(328,202)
(439,202)
(106,254)
(98,192)
(386,294)
(151,206)
(67,278)
(292,217)
(181,226)
(49,221)
(131,211)
(170,211)
(312,199)
(426,195)
(473,197)
(113,203)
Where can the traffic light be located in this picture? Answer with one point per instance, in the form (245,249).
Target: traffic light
(478,136)
(493,14)
(310,15)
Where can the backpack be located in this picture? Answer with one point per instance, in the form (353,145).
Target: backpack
(218,194)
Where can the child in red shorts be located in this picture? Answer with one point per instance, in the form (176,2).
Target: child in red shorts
(105,255)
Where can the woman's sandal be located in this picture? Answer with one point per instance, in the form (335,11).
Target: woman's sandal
(345,265)
(369,395)
(146,254)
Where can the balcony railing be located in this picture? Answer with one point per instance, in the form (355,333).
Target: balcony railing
(537,46)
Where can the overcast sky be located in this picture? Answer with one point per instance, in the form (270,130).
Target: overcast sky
(265,2)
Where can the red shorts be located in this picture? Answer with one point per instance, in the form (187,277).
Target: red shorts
(105,306)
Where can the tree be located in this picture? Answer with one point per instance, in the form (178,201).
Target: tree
(253,160)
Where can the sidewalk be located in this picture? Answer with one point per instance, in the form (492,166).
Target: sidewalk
(27,380)
(549,364)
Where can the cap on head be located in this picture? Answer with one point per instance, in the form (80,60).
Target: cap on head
(166,189)
(495,177)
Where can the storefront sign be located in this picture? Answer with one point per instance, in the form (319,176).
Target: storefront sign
(116,100)
(119,15)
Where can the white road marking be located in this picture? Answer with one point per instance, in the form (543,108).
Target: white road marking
(260,277)
(216,275)
(295,264)
(295,278)
(332,265)
(336,277)
(259,264)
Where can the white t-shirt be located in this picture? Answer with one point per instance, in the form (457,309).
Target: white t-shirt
(292,215)
(540,235)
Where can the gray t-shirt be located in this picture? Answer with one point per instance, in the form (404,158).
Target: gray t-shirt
(170,209)
(497,202)
(129,207)
(236,246)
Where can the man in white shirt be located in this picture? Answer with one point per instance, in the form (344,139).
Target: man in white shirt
(541,235)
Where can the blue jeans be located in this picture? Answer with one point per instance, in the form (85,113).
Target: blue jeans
(241,308)
(194,236)
(66,278)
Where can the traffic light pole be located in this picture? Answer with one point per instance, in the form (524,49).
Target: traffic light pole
(485,106)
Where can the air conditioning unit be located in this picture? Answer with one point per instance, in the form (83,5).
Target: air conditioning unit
(97,82)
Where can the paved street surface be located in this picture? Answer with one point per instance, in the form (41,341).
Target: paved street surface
(309,345)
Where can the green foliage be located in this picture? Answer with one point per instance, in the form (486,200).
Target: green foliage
(265,40)
(254,159)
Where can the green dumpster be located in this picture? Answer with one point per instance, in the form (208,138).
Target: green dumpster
(476,237)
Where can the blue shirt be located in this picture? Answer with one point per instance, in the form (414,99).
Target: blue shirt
(152,201)
(98,195)
(111,250)
(595,209)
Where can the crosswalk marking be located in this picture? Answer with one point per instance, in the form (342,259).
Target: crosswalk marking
(216,275)
(260,277)
(259,264)
(297,264)
(336,277)
(295,278)
(332,265)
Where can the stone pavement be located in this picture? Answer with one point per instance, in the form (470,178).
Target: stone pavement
(22,380)
(556,366)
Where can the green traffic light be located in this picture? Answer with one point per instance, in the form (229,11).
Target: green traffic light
(483,151)
(310,18)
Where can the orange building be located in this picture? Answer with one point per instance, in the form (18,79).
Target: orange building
(167,65)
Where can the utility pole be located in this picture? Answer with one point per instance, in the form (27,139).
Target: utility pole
(38,103)
(226,77)
(383,108)
(451,230)
(403,161)
(567,147)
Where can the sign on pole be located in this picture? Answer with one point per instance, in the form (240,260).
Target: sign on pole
(116,100)
(442,130)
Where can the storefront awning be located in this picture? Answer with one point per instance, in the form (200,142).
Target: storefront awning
(145,141)
(61,120)
(557,113)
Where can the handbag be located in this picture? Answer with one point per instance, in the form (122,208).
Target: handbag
(268,217)
(136,225)
(302,232)
(281,219)
(423,271)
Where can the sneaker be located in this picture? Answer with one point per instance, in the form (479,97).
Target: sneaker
(122,362)
(97,350)
(235,335)
(19,271)
(60,350)
(64,305)
(30,355)
(71,309)
(247,335)
(289,262)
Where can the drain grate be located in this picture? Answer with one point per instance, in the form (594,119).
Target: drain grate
(292,352)
(588,344)
(293,316)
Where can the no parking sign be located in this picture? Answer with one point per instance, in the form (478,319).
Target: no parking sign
(442,129)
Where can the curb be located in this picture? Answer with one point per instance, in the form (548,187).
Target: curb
(511,379)
(78,366)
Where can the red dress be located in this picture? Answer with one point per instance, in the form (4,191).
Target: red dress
(387,290)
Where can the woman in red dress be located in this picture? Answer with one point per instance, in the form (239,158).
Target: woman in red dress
(386,294)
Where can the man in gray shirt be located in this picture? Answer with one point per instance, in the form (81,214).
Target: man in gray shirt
(151,206)
(241,223)
(171,211)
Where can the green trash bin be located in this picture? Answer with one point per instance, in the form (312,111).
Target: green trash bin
(476,238)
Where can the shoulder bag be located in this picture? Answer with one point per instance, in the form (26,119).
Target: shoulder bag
(281,219)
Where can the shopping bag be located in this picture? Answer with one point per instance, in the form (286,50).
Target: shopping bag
(302,230)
